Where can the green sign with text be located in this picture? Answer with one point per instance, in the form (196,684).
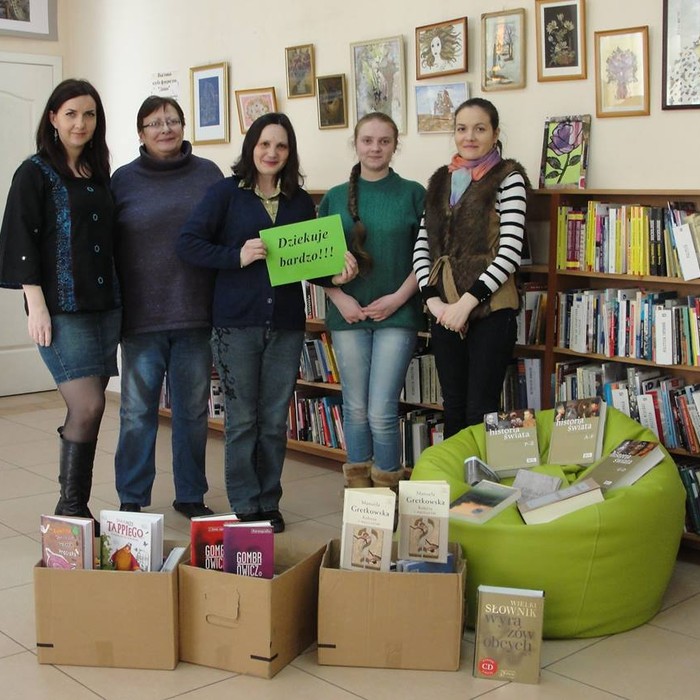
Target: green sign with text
(314,248)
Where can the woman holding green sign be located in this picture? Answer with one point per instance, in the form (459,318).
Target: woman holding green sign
(375,317)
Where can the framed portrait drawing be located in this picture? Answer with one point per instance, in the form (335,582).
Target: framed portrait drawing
(622,72)
(680,85)
(379,78)
(441,48)
(503,50)
(435,106)
(565,152)
(299,61)
(31,19)
(253,104)
(332,101)
(561,39)
(209,88)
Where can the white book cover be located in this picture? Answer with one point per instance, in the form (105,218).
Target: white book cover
(131,541)
(687,255)
(412,384)
(663,335)
(424,508)
(647,415)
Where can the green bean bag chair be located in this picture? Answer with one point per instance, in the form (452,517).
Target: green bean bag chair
(604,568)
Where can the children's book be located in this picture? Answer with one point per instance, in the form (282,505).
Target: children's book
(207,540)
(627,463)
(249,549)
(551,506)
(368,523)
(131,541)
(511,441)
(577,432)
(424,508)
(483,501)
(67,542)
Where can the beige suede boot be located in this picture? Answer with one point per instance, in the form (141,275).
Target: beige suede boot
(387,479)
(357,475)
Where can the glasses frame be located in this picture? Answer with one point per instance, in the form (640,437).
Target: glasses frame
(172,124)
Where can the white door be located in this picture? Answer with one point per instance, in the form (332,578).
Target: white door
(26,81)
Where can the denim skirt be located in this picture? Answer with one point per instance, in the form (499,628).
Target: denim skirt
(83,345)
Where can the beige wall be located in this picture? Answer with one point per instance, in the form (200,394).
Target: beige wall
(119,44)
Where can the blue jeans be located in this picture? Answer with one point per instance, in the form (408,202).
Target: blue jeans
(186,356)
(258,368)
(373,366)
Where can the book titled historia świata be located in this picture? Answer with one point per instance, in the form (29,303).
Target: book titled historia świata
(424,508)
(483,501)
(207,540)
(131,541)
(508,639)
(67,542)
(629,461)
(511,441)
(551,506)
(249,549)
(368,524)
(577,431)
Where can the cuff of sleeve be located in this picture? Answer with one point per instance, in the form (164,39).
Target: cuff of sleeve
(480,291)
(429,291)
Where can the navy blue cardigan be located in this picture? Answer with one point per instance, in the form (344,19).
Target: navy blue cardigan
(213,236)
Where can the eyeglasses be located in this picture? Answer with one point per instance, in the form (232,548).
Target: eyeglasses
(159,125)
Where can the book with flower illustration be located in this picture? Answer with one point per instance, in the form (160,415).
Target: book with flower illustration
(368,524)
(424,508)
(66,542)
(565,152)
(511,441)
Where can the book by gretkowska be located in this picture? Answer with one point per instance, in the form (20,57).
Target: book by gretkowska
(629,461)
(508,639)
(424,508)
(249,549)
(483,501)
(577,432)
(368,523)
(131,541)
(511,441)
(207,540)
(544,509)
(67,542)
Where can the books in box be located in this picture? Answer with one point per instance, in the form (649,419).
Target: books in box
(483,501)
(551,506)
(511,441)
(131,541)
(368,523)
(627,463)
(508,638)
(424,508)
(207,540)
(67,542)
(249,549)
(577,432)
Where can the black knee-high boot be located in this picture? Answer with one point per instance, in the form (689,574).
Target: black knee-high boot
(75,477)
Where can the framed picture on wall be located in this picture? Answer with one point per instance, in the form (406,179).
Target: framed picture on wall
(299,61)
(565,152)
(435,106)
(332,101)
(561,39)
(209,88)
(622,72)
(31,19)
(253,104)
(503,50)
(441,48)
(379,79)
(680,85)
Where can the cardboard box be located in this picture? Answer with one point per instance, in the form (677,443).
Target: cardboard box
(250,625)
(107,618)
(390,620)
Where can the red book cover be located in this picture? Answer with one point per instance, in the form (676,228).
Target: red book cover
(249,549)
(207,541)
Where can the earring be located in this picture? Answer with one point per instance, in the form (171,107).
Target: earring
(55,135)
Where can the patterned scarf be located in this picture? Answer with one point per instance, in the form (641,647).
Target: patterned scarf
(464,171)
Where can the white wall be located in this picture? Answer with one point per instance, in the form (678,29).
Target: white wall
(118,44)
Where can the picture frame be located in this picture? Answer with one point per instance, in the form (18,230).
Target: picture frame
(299,64)
(254,103)
(565,148)
(561,39)
(332,101)
(680,82)
(435,106)
(622,72)
(441,48)
(379,78)
(503,44)
(30,19)
(209,99)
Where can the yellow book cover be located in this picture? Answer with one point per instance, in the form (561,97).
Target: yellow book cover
(511,441)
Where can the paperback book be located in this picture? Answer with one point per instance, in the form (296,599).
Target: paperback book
(424,508)
(534,484)
(368,524)
(544,509)
(131,541)
(66,542)
(627,463)
(483,501)
(511,441)
(249,549)
(577,432)
(508,638)
(207,540)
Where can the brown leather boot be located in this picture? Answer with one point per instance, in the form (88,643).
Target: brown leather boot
(387,479)
(357,475)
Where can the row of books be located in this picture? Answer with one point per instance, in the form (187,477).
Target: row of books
(422,385)
(317,419)
(532,317)
(419,429)
(215,405)
(522,384)
(689,471)
(318,360)
(315,301)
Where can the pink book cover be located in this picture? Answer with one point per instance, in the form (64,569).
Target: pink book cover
(249,549)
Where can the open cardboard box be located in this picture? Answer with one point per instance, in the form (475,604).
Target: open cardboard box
(390,620)
(91,617)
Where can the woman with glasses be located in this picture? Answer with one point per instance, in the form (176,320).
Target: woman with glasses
(167,310)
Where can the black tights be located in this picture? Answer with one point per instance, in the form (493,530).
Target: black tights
(85,401)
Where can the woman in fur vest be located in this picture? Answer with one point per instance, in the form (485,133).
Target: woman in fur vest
(465,259)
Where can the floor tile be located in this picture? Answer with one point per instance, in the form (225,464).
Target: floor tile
(319,496)
(23,552)
(683,618)
(17,483)
(17,615)
(8,647)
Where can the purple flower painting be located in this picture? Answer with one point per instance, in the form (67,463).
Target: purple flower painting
(564,151)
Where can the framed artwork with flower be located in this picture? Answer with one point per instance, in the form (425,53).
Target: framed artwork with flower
(680,85)
(561,39)
(622,72)
(565,152)
(209,89)
(441,49)
(299,61)
(253,104)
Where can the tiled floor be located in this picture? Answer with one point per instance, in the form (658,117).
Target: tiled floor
(658,661)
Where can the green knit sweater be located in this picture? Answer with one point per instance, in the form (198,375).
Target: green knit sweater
(391,210)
